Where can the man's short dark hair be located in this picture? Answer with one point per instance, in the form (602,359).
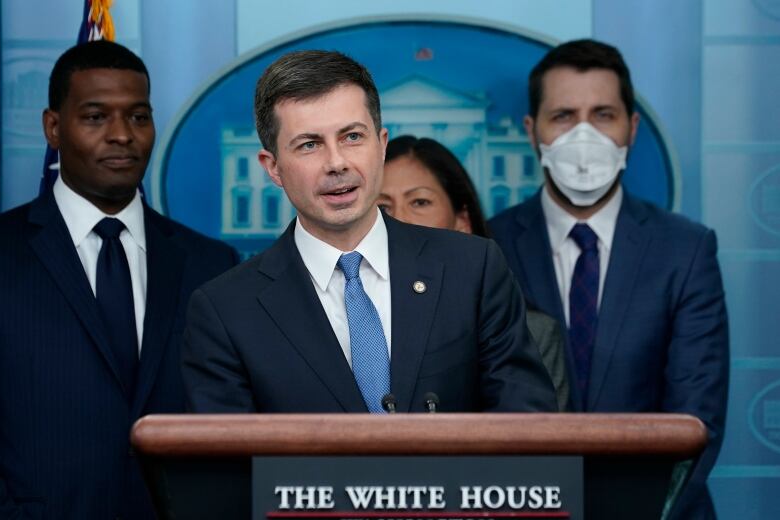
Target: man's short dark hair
(304,75)
(99,54)
(581,55)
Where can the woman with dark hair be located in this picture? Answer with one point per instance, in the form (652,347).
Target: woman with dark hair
(425,184)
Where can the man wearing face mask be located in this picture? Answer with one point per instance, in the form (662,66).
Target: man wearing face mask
(638,288)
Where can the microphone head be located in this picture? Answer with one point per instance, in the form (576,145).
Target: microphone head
(389,403)
(431,402)
(431,398)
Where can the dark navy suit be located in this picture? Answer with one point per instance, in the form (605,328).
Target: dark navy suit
(64,416)
(662,337)
(258,339)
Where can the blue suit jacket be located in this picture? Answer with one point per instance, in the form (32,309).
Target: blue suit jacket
(258,339)
(662,338)
(64,416)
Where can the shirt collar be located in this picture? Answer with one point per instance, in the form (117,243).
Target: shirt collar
(320,257)
(560,222)
(81,216)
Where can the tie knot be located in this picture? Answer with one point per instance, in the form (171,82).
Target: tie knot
(109,228)
(585,237)
(350,264)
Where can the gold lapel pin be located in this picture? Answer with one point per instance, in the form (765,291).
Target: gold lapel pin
(419,287)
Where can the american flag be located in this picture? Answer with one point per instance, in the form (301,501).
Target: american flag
(96,24)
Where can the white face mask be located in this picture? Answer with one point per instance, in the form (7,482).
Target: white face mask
(583,163)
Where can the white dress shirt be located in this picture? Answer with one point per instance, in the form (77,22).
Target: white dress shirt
(320,259)
(81,216)
(565,250)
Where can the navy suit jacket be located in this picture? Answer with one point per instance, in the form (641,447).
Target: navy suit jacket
(662,337)
(64,416)
(258,339)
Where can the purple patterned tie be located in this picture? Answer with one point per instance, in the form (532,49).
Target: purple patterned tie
(583,301)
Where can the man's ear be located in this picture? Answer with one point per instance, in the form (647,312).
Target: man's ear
(268,161)
(528,124)
(634,127)
(383,142)
(51,127)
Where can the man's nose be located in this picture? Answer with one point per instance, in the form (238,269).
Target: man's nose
(336,162)
(119,131)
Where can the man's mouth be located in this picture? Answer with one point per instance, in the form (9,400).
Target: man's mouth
(119,161)
(343,194)
(342,191)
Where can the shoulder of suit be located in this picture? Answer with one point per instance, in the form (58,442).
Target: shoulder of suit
(503,221)
(665,221)
(16,215)
(187,237)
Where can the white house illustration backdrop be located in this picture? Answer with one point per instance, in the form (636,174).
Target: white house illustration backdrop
(499,158)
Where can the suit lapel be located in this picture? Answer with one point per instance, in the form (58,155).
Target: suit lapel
(412,312)
(54,248)
(164,264)
(534,256)
(628,247)
(292,303)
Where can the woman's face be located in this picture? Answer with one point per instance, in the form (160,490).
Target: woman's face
(411,193)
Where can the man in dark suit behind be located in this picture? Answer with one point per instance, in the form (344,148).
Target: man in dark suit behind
(93,285)
(350,305)
(638,289)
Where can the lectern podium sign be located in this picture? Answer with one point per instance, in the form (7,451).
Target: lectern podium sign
(417,487)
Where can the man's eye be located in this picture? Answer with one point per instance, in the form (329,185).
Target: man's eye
(308,146)
(605,115)
(561,116)
(353,137)
(141,117)
(94,117)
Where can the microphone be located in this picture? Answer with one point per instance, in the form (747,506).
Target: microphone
(431,402)
(388,403)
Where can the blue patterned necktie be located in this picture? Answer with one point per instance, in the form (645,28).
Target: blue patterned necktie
(114,291)
(370,360)
(583,304)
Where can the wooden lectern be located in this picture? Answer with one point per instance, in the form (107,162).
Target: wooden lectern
(199,466)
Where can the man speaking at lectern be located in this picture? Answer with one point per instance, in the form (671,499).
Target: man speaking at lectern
(348,304)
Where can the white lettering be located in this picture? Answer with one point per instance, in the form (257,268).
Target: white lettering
(417,492)
(285,491)
(553,500)
(305,497)
(512,495)
(309,497)
(325,498)
(535,497)
(384,498)
(360,496)
(494,497)
(402,497)
(471,497)
(436,497)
